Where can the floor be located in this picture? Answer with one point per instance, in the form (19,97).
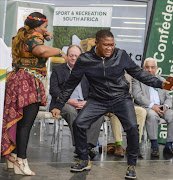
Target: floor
(55,166)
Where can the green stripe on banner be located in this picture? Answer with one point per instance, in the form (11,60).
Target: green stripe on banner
(2,74)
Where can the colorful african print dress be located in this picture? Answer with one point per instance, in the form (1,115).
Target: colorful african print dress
(24,86)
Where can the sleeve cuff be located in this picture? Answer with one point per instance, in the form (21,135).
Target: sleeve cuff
(151,105)
(159,84)
(166,106)
(57,106)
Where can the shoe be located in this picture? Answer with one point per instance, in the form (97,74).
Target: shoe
(119,151)
(92,153)
(10,161)
(155,152)
(81,165)
(168,152)
(140,155)
(110,148)
(131,172)
(23,167)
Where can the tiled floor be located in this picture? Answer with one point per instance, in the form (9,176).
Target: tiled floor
(50,166)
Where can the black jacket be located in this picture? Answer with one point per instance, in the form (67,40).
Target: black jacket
(60,74)
(106,77)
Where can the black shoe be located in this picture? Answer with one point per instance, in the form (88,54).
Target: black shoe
(131,172)
(168,152)
(81,165)
(155,152)
(92,153)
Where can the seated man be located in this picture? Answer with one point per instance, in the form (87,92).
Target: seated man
(77,100)
(117,130)
(157,103)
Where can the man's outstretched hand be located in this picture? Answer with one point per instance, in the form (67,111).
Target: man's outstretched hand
(165,83)
(55,112)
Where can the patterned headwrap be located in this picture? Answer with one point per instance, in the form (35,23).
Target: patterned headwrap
(36,18)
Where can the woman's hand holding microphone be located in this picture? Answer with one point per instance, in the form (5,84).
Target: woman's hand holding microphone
(48,36)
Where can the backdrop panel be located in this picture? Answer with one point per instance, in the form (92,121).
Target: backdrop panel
(159,42)
(17,12)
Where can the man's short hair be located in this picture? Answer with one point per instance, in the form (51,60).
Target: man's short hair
(73,45)
(103,33)
(150,59)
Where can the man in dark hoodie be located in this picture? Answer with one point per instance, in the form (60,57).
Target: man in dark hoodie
(104,66)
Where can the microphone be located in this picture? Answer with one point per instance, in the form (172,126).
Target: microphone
(47,38)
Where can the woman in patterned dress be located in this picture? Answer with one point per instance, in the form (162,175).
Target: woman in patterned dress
(25,91)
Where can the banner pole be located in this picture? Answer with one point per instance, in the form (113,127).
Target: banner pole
(4,19)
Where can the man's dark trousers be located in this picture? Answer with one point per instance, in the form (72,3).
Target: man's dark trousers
(123,109)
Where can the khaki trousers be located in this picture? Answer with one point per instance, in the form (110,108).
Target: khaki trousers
(117,128)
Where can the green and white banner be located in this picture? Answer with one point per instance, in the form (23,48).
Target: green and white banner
(159,44)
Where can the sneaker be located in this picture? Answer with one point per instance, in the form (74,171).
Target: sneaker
(81,165)
(119,151)
(131,172)
(92,153)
